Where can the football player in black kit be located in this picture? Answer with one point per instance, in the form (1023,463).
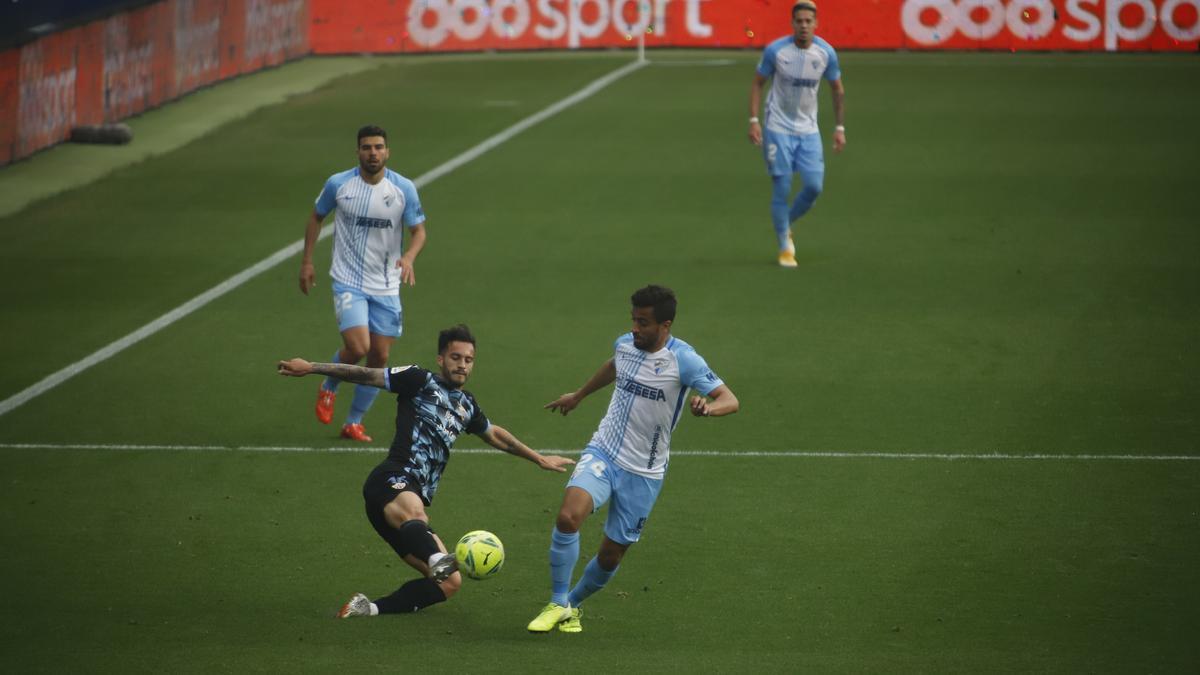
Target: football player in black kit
(432,411)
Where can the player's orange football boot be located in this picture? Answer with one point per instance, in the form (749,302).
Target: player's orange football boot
(355,432)
(325,400)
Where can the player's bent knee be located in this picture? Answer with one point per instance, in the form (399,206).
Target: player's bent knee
(352,355)
(568,521)
(397,514)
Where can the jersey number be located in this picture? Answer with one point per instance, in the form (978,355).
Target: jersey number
(772,150)
(585,462)
(342,302)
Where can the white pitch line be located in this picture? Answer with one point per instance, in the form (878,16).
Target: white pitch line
(802,454)
(104,353)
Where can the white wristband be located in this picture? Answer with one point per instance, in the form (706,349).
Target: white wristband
(753,120)
(840,128)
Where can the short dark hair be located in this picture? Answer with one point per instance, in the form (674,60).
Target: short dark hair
(661,298)
(371,130)
(459,333)
(804,4)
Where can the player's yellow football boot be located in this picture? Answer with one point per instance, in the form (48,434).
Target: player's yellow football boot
(571,624)
(787,255)
(550,616)
(355,432)
(325,400)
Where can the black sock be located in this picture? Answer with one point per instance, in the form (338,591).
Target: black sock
(417,539)
(412,596)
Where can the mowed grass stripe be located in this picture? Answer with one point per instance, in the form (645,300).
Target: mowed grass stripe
(804,454)
(108,351)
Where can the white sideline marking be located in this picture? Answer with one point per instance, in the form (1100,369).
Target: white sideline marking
(697,62)
(804,454)
(54,379)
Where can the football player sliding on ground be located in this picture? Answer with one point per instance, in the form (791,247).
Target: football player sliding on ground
(433,410)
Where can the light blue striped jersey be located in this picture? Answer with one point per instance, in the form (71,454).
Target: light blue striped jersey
(795,77)
(649,395)
(367,238)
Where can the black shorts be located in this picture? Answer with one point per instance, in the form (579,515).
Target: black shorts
(381,487)
(389,479)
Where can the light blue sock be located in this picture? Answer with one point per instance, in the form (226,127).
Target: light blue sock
(364,396)
(331,383)
(781,189)
(814,183)
(594,578)
(564,552)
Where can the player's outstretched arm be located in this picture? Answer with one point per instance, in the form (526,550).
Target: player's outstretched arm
(375,377)
(722,402)
(502,439)
(567,402)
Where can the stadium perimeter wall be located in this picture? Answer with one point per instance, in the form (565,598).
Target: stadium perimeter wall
(112,68)
(109,69)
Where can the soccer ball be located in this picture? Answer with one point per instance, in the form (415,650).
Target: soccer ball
(480,554)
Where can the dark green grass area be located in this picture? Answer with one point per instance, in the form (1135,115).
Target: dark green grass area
(202,560)
(1004,260)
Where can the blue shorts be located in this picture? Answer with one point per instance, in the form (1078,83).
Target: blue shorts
(379,313)
(632,495)
(788,154)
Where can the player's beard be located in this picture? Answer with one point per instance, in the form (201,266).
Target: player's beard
(371,168)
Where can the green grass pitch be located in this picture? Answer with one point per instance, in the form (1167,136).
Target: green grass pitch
(1004,261)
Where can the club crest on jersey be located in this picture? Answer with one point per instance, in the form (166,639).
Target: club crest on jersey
(397,482)
(659,364)
(387,200)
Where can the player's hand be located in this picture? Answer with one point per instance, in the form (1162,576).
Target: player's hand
(555,463)
(756,133)
(839,141)
(563,404)
(307,278)
(407,274)
(700,406)
(294,367)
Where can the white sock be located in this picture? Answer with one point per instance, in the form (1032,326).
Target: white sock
(374,609)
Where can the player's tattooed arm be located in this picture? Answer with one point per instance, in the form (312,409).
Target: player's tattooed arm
(375,377)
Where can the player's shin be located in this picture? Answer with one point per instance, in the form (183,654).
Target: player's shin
(364,396)
(331,383)
(411,597)
(594,578)
(564,552)
(417,539)
(781,188)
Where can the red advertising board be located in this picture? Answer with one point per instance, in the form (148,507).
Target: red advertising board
(107,70)
(354,26)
